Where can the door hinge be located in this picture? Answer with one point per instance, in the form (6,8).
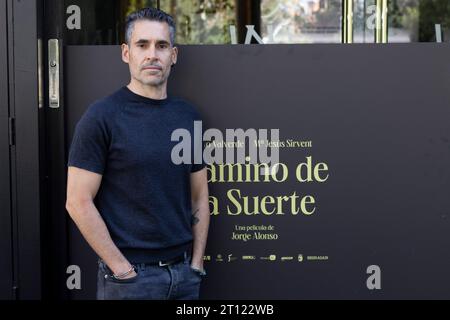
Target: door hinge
(12,131)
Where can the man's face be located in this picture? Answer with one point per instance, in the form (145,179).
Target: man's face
(149,53)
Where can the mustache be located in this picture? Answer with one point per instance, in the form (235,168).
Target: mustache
(152,64)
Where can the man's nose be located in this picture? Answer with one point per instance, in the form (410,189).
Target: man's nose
(151,52)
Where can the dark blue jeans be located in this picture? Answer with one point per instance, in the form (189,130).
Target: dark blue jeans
(174,282)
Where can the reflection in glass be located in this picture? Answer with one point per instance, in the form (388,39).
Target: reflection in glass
(201,21)
(301,21)
(277,21)
(408,20)
(364,21)
(403,20)
(431,13)
(102,21)
(415,20)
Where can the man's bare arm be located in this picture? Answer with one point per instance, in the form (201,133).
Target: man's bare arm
(82,186)
(200,216)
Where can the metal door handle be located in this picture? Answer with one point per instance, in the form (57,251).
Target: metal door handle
(53,73)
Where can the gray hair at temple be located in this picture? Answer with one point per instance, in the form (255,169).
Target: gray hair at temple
(151,14)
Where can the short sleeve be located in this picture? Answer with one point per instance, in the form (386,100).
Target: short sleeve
(198,167)
(90,143)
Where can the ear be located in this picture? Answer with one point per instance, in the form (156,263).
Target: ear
(125,53)
(174,55)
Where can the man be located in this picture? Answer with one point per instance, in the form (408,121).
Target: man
(145,217)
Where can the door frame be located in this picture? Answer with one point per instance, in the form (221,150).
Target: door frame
(20,92)
(6,260)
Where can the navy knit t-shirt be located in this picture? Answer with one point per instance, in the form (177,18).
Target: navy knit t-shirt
(144,198)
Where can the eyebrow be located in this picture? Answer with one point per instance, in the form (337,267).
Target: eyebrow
(145,41)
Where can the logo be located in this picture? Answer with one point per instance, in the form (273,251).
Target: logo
(231,258)
(287,258)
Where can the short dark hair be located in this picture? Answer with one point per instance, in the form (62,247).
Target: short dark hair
(151,14)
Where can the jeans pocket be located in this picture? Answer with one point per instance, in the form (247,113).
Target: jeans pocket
(196,272)
(108,274)
(128,280)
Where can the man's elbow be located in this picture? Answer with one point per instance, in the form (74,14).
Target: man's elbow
(75,205)
(70,206)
